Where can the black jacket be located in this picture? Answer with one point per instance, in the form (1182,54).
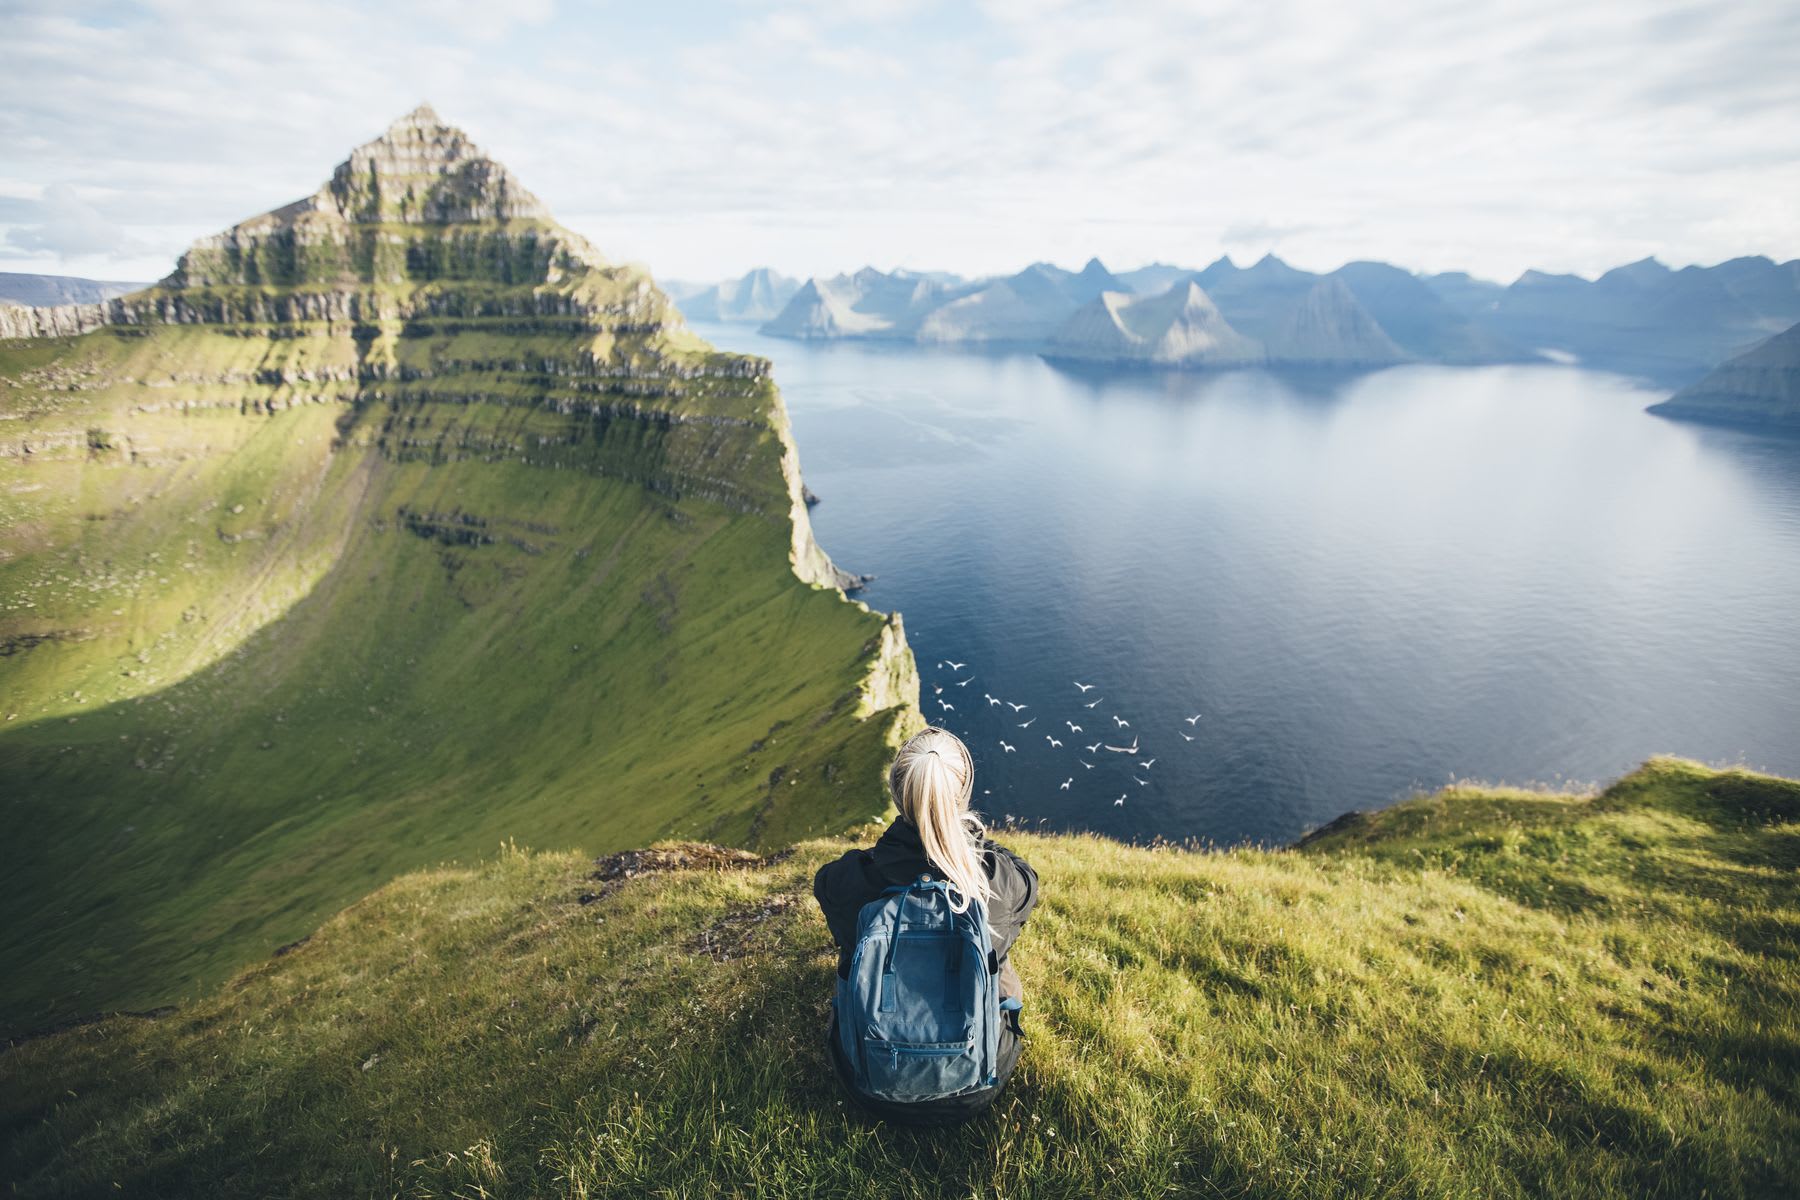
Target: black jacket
(843,886)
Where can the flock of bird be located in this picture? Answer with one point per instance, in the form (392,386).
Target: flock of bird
(1076,732)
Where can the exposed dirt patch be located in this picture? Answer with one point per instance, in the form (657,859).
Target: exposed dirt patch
(735,932)
(614,869)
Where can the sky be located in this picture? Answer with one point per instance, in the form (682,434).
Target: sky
(703,139)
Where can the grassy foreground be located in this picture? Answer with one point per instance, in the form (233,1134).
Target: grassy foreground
(1482,992)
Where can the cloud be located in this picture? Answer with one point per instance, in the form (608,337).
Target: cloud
(707,138)
(63,225)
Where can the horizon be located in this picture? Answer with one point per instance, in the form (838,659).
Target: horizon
(711,140)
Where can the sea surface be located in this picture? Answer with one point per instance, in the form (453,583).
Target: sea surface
(1359,586)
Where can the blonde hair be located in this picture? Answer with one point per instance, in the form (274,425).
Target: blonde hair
(932,780)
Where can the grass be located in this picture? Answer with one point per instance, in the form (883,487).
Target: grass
(1482,992)
(291,608)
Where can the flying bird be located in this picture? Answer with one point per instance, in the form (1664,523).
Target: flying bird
(1093,747)
(993,701)
(1142,782)
(1131,749)
(1073,727)
(1066,783)
(1054,744)
(953,666)
(1121,721)
(1017,707)
(1146,763)
(1005,747)
(965,682)
(1085,687)
(1188,736)
(1120,802)
(1084,762)
(936,690)
(946,706)
(1101,700)
(1192,719)
(1028,724)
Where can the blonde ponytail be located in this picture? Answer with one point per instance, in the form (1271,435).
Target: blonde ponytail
(932,780)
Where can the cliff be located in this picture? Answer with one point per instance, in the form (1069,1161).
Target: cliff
(390,523)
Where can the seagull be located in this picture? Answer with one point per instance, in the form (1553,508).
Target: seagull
(1073,727)
(1102,700)
(1017,707)
(946,706)
(1094,747)
(1192,719)
(936,690)
(1084,762)
(1142,782)
(1122,722)
(1120,802)
(1146,763)
(1085,687)
(953,666)
(965,682)
(1054,744)
(1066,783)
(1005,747)
(993,701)
(1188,736)
(1131,749)
(1029,724)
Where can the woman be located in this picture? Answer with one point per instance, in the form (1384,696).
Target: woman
(935,835)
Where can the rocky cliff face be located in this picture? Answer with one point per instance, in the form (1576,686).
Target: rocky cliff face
(390,523)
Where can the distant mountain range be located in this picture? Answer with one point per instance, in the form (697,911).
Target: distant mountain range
(757,296)
(1643,318)
(38,291)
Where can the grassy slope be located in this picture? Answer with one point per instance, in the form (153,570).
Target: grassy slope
(277,675)
(1478,993)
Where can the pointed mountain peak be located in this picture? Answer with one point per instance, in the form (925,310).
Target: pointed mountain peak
(1096,267)
(422,170)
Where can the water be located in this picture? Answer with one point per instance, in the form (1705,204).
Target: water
(1366,584)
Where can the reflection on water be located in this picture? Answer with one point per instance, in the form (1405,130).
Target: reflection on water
(1366,583)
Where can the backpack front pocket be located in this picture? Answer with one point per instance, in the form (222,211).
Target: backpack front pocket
(920,1070)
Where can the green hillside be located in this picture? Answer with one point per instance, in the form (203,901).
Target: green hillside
(1478,993)
(393,523)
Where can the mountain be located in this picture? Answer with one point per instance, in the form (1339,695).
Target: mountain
(1463,292)
(43,291)
(1644,318)
(1180,327)
(393,523)
(1025,308)
(1152,279)
(1482,992)
(1760,387)
(869,303)
(1418,319)
(1330,326)
(758,296)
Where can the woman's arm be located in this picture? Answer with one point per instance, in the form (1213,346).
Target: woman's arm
(1015,895)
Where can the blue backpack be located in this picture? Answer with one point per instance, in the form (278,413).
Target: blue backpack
(919,1016)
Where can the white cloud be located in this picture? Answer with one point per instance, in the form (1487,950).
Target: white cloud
(704,139)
